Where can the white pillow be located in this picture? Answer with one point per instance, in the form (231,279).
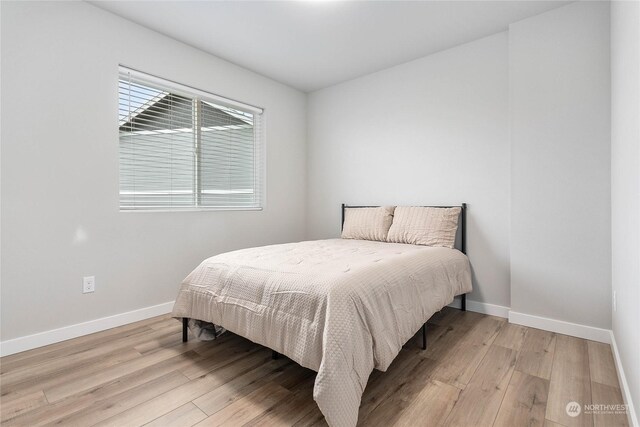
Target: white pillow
(367,223)
(424,226)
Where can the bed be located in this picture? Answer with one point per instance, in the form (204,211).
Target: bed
(340,307)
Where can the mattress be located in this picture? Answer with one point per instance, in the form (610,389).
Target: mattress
(340,307)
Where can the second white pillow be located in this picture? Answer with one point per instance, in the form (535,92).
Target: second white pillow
(424,226)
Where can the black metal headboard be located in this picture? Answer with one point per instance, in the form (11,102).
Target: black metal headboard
(462,224)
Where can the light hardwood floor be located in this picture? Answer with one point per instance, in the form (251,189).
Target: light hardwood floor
(478,370)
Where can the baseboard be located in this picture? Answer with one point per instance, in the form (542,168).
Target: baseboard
(624,386)
(483,307)
(561,327)
(41,339)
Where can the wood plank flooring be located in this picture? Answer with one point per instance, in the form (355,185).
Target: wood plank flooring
(477,371)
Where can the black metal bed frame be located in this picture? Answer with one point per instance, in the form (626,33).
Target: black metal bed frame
(462,247)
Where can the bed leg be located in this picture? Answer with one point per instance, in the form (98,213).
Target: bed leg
(424,336)
(185,329)
(463,302)
(275,355)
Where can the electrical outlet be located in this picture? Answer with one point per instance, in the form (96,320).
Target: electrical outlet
(615,304)
(88,284)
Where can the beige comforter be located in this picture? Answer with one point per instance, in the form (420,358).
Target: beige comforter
(340,307)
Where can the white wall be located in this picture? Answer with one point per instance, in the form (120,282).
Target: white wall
(60,168)
(431,131)
(625,186)
(560,165)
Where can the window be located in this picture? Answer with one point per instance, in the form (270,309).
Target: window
(181,148)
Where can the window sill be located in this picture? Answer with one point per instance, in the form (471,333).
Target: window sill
(203,209)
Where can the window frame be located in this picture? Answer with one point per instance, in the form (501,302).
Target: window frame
(260,163)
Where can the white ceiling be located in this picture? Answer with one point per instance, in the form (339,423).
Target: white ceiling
(310,45)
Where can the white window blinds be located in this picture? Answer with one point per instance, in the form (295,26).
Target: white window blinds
(181,148)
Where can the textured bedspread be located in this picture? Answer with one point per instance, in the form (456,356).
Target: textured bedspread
(340,307)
